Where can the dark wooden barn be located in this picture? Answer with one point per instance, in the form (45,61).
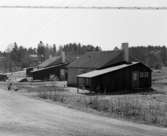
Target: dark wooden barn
(92,61)
(54,68)
(109,70)
(96,60)
(132,76)
(56,72)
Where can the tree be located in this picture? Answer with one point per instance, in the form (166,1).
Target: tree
(154,60)
(54,49)
(41,50)
(164,55)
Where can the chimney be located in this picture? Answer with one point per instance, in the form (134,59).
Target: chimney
(63,57)
(125,49)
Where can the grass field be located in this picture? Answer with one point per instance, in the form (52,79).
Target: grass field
(149,108)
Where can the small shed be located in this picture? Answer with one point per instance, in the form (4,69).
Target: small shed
(57,71)
(122,77)
(53,68)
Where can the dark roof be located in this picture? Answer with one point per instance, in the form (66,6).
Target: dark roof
(48,68)
(98,59)
(51,61)
(96,73)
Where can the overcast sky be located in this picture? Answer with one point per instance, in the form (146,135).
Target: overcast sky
(106,28)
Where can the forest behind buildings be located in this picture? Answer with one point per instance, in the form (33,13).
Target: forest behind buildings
(17,57)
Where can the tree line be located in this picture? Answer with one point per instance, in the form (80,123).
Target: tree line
(153,56)
(18,57)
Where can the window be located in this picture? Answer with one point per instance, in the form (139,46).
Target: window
(144,74)
(134,76)
(86,81)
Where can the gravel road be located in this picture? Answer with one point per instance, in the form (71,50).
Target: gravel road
(24,116)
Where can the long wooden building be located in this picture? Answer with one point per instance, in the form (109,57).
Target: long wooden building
(122,77)
(108,71)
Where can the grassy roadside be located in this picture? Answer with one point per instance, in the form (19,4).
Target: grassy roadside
(144,108)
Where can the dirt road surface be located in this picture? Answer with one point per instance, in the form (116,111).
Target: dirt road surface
(24,116)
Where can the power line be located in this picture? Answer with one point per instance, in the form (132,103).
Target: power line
(85,7)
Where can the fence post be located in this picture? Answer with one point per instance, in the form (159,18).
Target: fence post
(77,85)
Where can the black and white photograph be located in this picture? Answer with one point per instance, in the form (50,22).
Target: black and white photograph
(83,67)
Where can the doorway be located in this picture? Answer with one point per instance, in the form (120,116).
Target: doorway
(135,79)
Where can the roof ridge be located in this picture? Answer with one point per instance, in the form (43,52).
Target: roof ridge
(49,61)
(96,59)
